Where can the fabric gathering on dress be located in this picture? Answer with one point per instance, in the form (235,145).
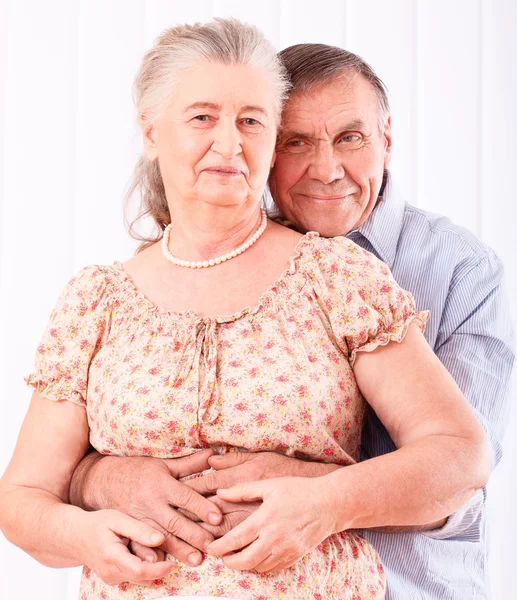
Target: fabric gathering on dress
(275,377)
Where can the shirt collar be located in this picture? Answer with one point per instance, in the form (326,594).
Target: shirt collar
(383,227)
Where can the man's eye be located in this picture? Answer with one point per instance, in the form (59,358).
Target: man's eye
(250,121)
(202,118)
(351,138)
(296,143)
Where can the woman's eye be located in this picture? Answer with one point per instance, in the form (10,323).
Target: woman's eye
(202,118)
(250,121)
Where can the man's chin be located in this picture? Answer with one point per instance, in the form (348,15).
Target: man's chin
(327,230)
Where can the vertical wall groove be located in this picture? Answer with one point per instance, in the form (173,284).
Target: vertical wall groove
(414,107)
(480,137)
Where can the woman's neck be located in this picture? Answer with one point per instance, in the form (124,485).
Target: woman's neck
(210,232)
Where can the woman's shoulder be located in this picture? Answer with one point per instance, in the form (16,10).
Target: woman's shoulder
(90,286)
(341,256)
(94,277)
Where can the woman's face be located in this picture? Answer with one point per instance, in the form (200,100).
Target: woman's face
(215,142)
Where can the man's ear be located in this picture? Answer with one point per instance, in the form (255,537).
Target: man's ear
(387,142)
(148,133)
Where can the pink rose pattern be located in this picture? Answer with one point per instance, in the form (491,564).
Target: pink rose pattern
(275,377)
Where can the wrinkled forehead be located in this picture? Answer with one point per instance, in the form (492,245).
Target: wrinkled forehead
(234,86)
(332,106)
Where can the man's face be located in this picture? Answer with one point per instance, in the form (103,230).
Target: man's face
(331,156)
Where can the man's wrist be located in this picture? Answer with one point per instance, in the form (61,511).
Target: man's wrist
(85,487)
(411,528)
(313,469)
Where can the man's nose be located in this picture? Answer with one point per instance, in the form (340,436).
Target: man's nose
(326,165)
(227,139)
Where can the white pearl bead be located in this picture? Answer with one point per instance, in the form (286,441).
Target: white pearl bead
(213,261)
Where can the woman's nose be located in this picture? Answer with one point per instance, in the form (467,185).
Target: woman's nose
(227,139)
(326,166)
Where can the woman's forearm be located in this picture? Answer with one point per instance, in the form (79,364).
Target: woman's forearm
(421,483)
(42,525)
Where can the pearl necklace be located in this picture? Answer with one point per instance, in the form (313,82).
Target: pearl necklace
(203,264)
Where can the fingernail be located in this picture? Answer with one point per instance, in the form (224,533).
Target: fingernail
(150,558)
(194,558)
(156,538)
(216,457)
(213,518)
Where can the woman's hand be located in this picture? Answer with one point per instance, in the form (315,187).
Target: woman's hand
(104,536)
(295,516)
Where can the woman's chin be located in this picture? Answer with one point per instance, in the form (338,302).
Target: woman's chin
(225,196)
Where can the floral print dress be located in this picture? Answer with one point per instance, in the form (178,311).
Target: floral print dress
(275,377)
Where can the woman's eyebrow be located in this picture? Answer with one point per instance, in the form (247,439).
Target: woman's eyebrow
(218,107)
(254,108)
(198,105)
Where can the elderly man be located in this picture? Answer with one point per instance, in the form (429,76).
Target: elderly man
(331,176)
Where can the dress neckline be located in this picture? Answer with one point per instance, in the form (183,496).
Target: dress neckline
(265,298)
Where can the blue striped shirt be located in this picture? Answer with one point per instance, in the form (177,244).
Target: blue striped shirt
(460,280)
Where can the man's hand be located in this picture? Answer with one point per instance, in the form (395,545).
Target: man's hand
(242,467)
(233,515)
(147,490)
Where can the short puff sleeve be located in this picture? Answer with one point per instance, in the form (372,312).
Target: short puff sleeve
(366,306)
(76,330)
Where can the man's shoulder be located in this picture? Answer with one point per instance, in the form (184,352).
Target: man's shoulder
(443,240)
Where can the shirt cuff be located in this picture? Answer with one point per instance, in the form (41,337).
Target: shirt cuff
(465,523)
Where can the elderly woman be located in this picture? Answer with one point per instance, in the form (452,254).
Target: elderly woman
(228,331)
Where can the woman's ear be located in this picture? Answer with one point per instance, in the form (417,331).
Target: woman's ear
(148,132)
(273,159)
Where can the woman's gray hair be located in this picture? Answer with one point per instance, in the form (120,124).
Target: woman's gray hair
(311,65)
(226,41)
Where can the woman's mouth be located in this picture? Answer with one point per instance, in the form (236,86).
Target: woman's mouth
(223,171)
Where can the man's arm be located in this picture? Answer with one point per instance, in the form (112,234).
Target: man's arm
(476,345)
(81,492)
(148,489)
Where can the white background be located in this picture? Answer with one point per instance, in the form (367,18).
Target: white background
(68,143)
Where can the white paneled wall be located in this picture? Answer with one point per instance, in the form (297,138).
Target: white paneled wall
(68,142)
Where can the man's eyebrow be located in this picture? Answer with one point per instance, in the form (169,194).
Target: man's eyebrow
(286,132)
(355,125)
